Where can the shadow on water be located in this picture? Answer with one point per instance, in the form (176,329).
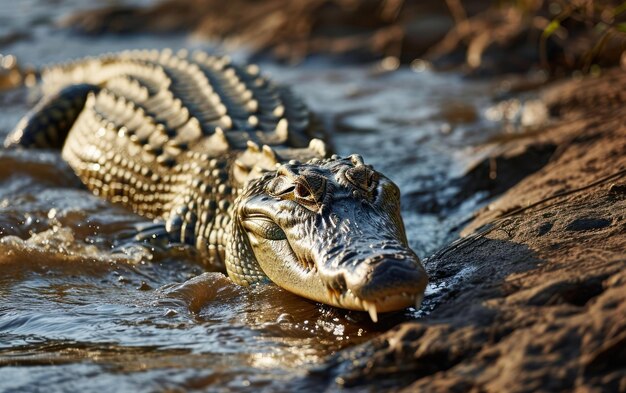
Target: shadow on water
(468,264)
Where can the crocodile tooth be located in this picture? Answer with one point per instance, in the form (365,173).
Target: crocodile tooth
(371,309)
(333,297)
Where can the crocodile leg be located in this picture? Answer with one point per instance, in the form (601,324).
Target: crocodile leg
(154,232)
(49,122)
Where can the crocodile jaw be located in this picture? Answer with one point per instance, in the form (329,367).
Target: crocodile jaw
(311,280)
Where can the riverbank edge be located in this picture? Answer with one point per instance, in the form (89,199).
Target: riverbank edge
(541,298)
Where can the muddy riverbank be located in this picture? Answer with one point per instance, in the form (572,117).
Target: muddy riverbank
(540,305)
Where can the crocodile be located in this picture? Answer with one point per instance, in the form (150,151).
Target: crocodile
(223,159)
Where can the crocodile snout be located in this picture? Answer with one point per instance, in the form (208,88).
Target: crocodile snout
(386,275)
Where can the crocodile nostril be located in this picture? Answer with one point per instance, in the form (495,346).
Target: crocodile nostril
(381,275)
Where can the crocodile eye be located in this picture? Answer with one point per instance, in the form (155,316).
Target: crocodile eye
(362,177)
(302,191)
(280,187)
(309,191)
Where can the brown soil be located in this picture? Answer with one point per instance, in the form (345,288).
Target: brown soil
(534,296)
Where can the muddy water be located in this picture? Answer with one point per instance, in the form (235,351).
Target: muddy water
(82,308)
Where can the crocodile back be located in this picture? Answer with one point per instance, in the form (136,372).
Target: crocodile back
(162,123)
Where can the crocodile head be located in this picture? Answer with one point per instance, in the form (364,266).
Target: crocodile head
(328,230)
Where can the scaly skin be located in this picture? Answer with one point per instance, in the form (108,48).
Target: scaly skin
(226,161)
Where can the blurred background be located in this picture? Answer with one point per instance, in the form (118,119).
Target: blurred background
(484,36)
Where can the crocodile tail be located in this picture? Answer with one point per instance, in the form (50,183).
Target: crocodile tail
(49,122)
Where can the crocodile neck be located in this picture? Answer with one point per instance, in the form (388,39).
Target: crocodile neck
(202,213)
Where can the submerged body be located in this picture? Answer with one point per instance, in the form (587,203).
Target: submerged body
(226,161)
